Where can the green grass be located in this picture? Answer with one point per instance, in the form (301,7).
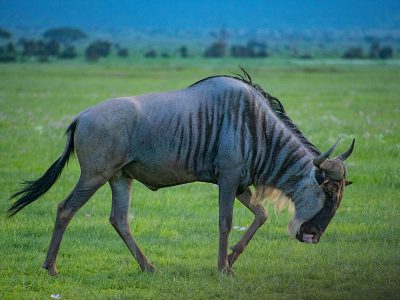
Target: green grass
(177,228)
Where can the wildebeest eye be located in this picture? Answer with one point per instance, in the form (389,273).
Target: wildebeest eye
(319,176)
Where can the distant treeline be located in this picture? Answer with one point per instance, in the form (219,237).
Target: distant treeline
(57,43)
(375,51)
(62,43)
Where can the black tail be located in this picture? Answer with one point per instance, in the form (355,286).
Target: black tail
(33,190)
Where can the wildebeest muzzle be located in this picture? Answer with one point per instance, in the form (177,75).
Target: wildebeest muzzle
(312,230)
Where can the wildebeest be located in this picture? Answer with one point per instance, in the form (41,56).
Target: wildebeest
(223,130)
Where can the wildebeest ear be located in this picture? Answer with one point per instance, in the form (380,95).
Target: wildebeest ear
(347,182)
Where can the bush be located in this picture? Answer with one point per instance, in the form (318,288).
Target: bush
(183,51)
(39,48)
(374,50)
(386,52)
(68,53)
(98,49)
(29,47)
(257,49)
(150,54)
(8,53)
(305,56)
(52,48)
(217,49)
(241,51)
(10,49)
(4,34)
(123,52)
(43,58)
(252,49)
(7,57)
(355,52)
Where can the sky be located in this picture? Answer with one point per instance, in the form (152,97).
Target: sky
(174,14)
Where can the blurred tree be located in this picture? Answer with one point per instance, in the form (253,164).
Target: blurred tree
(42,49)
(68,53)
(252,49)
(7,58)
(39,48)
(241,51)
(4,34)
(121,52)
(52,48)
(374,50)
(354,52)
(218,48)
(150,54)
(183,51)
(10,49)
(305,56)
(28,46)
(64,35)
(386,52)
(257,49)
(97,49)
(43,58)
(8,53)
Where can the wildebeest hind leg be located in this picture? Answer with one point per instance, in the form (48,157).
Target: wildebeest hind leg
(121,199)
(82,192)
(260,218)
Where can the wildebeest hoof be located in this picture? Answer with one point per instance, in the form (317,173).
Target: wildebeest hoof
(51,269)
(227,270)
(52,272)
(149,268)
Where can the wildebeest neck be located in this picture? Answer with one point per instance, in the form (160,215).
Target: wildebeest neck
(288,160)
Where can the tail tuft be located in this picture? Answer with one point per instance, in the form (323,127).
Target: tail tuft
(33,190)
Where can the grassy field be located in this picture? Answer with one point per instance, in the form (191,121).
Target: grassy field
(177,228)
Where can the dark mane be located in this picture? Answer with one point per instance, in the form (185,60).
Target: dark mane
(275,105)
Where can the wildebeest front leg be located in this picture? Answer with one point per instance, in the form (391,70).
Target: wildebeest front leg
(226,200)
(260,218)
(121,199)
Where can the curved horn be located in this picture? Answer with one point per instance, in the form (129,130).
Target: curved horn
(322,157)
(346,154)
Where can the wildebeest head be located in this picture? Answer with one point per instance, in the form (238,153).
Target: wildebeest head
(330,175)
